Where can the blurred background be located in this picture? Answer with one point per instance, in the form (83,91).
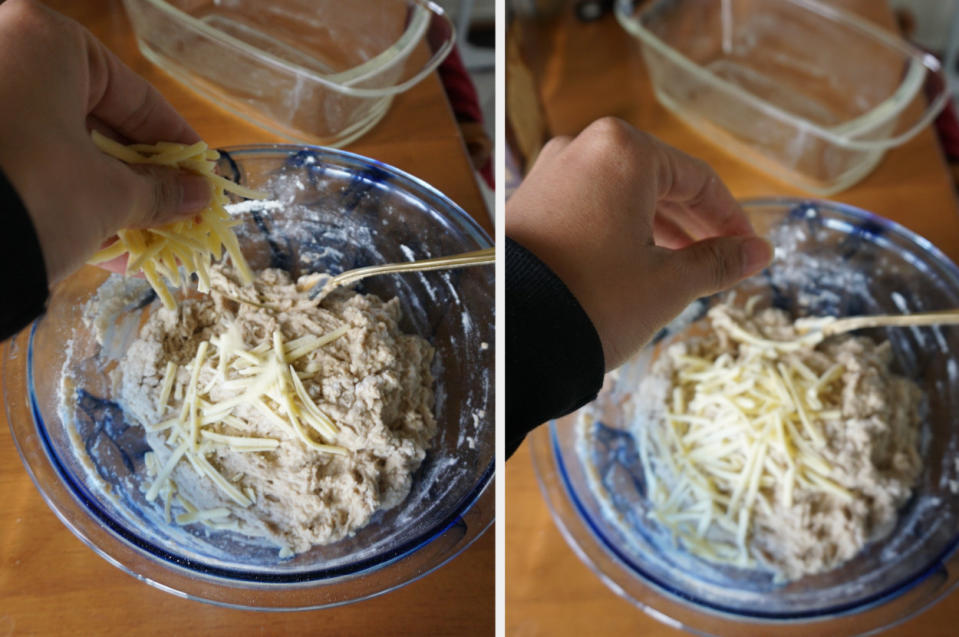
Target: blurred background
(477,19)
(475,22)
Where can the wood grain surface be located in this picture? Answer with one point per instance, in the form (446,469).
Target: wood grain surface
(52,584)
(591,70)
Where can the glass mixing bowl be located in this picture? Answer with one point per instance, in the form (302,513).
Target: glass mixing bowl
(327,211)
(831,259)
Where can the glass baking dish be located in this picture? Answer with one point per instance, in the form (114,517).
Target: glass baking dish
(315,71)
(808,93)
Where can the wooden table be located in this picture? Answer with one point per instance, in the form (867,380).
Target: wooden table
(594,71)
(52,584)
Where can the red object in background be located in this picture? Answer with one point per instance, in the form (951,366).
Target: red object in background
(459,88)
(947,129)
(464,100)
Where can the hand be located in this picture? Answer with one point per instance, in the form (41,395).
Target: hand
(56,82)
(635,228)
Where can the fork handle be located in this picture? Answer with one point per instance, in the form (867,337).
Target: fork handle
(477,257)
(944,317)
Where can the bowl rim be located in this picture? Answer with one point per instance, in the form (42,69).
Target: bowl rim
(552,454)
(237,578)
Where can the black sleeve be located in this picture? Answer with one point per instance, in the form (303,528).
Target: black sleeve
(23,283)
(554,358)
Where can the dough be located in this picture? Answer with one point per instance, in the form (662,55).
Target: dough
(869,447)
(373,382)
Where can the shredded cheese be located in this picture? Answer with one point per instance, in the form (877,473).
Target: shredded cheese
(168,377)
(193,243)
(266,381)
(199,515)
(736,431)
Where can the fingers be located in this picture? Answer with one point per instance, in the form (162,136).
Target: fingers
(692,223)
(692,186)
(147,196)
(712,265)
(668,234)
(118,264)
(550,150)
(682,187)
(163,195)
(127,103)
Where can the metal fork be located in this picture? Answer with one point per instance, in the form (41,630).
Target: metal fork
(319,284)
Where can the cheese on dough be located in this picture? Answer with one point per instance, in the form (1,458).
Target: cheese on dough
(301,461)
(760,455)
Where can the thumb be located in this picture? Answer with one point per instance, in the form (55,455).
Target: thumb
(713,265)
(162,195)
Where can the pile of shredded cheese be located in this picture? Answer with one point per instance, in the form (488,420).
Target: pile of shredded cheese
(263,378)
(193,243)
(746,446)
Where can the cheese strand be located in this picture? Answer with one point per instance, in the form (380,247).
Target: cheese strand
(192,242)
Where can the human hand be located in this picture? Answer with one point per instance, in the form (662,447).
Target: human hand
(635,229)
(57,82)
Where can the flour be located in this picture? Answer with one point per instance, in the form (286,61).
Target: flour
(373,382)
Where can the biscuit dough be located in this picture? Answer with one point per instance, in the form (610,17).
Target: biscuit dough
(373,382)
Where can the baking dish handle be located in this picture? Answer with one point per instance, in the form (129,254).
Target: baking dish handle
(934,107)
(431,24)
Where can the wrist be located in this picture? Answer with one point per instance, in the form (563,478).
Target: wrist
(560,261)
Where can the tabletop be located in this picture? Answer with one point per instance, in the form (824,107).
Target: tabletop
(594,70)
(51,583)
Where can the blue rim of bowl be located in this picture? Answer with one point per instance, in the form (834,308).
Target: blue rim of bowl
(239,577)
(871,601)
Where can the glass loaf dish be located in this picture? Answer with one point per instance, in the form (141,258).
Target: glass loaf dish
(315,71)
(803,91)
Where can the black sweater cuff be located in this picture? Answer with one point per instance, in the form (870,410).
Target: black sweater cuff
(24,285)
(554,358)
